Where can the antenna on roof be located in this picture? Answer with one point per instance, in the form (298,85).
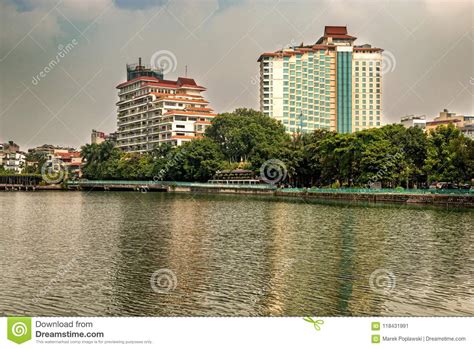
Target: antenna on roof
(139,61)
(186,71)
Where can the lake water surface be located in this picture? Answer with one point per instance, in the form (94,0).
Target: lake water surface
(160,254)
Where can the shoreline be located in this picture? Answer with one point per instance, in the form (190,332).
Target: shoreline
(413,198)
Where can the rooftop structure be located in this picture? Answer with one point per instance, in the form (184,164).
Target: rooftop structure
(414,121)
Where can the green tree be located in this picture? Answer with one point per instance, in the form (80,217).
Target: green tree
(197,160)
(246,135)
(101,161)
(450,156)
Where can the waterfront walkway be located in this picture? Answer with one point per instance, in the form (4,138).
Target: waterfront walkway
(462,198)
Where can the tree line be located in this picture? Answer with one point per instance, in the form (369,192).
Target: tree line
(245,139)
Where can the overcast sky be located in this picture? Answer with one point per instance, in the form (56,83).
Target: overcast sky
(429,54)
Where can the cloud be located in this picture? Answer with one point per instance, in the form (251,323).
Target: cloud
(225,4)
(22,5)
(139,4)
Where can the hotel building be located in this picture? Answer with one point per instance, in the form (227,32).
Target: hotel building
(332,84)
(152,110)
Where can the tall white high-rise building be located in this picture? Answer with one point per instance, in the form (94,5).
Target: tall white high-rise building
(333,84)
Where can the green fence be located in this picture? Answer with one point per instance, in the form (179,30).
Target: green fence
(167,184)
(271,187)
(382,191)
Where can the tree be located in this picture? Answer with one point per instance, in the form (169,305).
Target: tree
(247,135)
(101,160)
(197,160)
(450,156)
(37,159)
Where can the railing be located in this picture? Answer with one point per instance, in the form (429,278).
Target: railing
(167,184)
(270,187)
(382,191)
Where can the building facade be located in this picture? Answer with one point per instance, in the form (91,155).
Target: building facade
(464,123)
(65,160)
(333,84)
(152,111)
(413,121)
(11,158)
(98,137)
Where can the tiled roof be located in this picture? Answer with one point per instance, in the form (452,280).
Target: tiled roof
(335,30)
(140,78)
(152,81)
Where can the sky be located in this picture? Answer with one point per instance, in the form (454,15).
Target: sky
(428,57)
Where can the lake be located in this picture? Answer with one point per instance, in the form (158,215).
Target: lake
(163,254)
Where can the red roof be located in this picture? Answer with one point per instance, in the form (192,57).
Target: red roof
(335,30)
(186,81)
(152,81)
(72,154)
(140,78)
